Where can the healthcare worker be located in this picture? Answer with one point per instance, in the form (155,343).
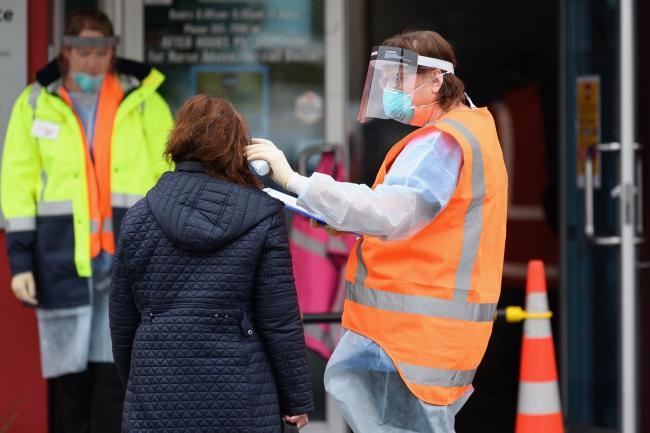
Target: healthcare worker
(424,278)
(84,143)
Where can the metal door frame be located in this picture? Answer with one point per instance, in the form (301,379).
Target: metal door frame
(628,279)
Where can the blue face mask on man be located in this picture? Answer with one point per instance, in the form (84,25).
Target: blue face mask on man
(398,105)
(88,83)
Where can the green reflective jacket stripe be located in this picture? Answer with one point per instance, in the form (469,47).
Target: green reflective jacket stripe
(43,182)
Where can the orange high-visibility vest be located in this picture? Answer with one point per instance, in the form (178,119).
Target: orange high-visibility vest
(98,168)
(429,300)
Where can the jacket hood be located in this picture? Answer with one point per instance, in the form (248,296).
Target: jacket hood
(200,213)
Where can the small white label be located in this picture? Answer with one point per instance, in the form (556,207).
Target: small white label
(43,129)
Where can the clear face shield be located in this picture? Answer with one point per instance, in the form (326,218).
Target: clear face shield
(90,42)
(391,83)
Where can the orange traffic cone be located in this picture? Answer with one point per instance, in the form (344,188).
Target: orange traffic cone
(538,409)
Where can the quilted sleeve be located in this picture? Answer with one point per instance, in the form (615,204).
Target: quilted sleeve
(278,321)
(123,313)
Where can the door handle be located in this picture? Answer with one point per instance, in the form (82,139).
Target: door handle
(639,197)
(590,231)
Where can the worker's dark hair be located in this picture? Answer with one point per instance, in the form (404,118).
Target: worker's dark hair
(86,19)
(431,44)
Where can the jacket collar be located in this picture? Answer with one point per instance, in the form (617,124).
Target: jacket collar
(190,166)
(52,72)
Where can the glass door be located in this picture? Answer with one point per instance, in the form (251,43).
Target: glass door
(642,90)
(602,230)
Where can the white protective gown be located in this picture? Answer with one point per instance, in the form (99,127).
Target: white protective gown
(418,186)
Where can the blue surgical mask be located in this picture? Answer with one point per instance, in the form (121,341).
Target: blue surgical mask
(88,83)
(398,105)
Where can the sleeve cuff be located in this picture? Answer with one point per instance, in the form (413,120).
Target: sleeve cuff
(299,410)
(297,184)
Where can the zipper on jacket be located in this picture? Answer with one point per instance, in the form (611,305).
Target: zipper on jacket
(245,323)
(199,305)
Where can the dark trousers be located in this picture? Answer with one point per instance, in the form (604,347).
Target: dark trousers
(88,402)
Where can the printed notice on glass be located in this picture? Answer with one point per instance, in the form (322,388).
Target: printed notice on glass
(588,126)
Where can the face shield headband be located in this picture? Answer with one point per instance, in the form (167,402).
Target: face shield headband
(100,42)
(391,78)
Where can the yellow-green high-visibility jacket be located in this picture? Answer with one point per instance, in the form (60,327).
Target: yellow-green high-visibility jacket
(44,183)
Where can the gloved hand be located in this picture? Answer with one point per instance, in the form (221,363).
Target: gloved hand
(265,150)
(24,287)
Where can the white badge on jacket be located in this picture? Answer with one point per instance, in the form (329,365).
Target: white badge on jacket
(44,129)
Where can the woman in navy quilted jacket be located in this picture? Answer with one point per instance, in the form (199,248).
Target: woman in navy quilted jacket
(204,316)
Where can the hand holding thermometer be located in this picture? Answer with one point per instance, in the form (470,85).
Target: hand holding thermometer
(260,167)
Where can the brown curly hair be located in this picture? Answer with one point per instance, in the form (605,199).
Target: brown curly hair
(210,130)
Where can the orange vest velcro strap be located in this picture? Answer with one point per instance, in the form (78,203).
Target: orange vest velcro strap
(457,308)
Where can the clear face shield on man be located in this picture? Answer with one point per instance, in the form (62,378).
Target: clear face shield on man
(391,84)
(89,59)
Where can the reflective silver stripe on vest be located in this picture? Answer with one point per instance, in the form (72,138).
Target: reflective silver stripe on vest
(473,224)
(21,224)
(33,96)
(436,376)
(458,309)
(94,227)
(124,200)
(307,243)
(362,271)
(54,208)
(107,225)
